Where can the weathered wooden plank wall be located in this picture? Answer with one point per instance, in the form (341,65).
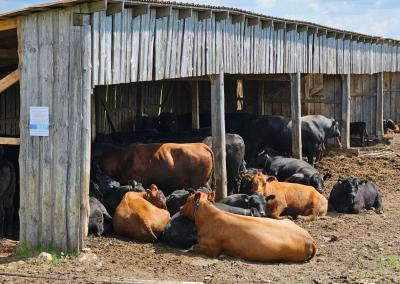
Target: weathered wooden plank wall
(363,90)
(130,48)
(54,170)
(391,98)
(9,111)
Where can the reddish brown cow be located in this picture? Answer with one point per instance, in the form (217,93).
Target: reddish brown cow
(141,215)
(251,238)
(290,199)
(170,166)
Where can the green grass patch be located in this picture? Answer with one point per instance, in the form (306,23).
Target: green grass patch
(31,253)
(393,262)
(368,275)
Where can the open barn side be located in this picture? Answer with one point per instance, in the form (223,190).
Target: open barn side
(391,105)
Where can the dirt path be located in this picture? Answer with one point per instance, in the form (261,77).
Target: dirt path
(361,248)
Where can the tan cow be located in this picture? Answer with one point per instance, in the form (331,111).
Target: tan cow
(251,238)
(170,166)
(290,199)
(141,215)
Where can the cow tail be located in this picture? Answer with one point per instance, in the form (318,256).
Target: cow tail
(212,176)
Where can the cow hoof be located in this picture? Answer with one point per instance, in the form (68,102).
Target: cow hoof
(379,211)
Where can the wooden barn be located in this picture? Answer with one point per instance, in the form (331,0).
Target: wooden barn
(84,59)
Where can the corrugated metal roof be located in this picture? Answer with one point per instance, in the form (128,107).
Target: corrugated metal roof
(160,3)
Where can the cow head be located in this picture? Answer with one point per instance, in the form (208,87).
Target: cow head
(193,202)
(156,197)
(348,189)
(317,181)
(389,124)
(261,183)
(257,201)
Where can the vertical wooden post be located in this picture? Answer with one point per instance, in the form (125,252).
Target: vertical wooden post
(218,134)
(379,106)
(195,105)
(261,88)
(346,101)
(296,115)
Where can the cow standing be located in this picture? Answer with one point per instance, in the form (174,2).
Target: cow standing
(170,166)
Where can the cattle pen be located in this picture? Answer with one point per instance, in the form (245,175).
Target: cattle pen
(89,61)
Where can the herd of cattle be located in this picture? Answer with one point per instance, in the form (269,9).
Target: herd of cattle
(158,187)
(157,184)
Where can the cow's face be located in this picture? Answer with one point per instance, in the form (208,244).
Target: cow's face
(258,202)
(317,182)
(156,197)
(192,204)
(349,189)
(335,129)
(390,124)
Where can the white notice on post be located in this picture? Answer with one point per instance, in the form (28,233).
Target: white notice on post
(39,121)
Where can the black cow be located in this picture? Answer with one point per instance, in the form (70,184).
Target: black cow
(235,150)
(294,171)
(7,191)
(352,195)
(359,129)
(389,124)
(276,132)
(109,192)
(98,218)
(180,232)
(177,198)
(256,203)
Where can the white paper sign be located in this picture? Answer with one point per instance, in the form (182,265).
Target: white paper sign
(39,121)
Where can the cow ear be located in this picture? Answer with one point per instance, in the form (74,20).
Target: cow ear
(153,187)
(271,179)
(211,196)
(197,196)
(269,197)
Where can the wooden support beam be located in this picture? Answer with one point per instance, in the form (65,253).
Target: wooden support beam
(9,80)
(346,102)
(379,105)
(139,10)
(254,21)
(9,141)
(204,14)
(163,12)
(9,54)
(93,6)
(8,24)
(221,16)
(296,115)
(195,105)
(218,134)
(114,8)
(185,13)
(238,18)
(80,20)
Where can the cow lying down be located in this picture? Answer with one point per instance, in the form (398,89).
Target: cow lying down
(352,195)
(142,215)
(289,199)
(251,238)
(181,232)
(98,217)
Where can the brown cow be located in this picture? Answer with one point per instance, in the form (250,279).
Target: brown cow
(170,166)
(251,238)
(291,199)
(141,215)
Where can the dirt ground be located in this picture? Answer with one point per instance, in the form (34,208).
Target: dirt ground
(362,248)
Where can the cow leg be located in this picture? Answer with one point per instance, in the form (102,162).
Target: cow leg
(211,249)
(378,204)
(312,217)
(362,139)
(9,221)
(276,213)
(148,231)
